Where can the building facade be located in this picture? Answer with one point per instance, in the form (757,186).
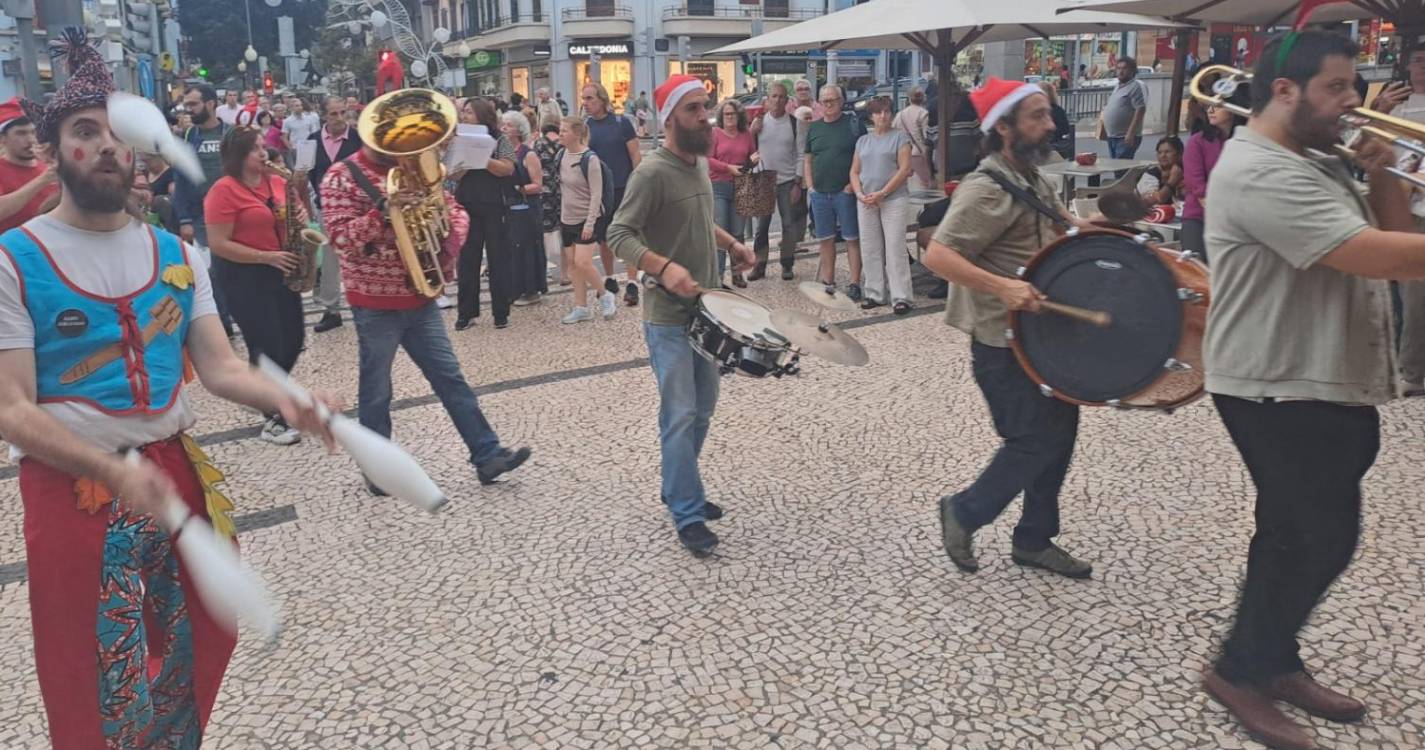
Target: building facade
(630,46)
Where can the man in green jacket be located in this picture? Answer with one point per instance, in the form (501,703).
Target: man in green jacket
(669,206)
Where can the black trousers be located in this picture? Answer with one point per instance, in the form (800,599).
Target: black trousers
(486,238)
(1307,459)
(268,313)
(1039,435)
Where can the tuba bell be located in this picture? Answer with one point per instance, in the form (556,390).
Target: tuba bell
(409,126)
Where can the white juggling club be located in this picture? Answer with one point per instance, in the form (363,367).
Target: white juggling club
(383,462)
(138,123)
(228,588)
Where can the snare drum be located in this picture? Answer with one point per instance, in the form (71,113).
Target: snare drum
(1150,356)
(737,335)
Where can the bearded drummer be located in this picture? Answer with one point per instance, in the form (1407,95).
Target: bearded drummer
(1003,214)
(1299,355)
(665,228)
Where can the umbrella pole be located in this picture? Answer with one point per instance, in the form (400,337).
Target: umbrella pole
(950,94)
(1175,101)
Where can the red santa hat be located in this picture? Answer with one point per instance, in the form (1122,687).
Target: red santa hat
(667,96)
(11,112)
(997,97)
(247,116)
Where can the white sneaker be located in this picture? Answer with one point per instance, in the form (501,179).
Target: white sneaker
(445,302)
(578,315)
(608,305)
(277,432)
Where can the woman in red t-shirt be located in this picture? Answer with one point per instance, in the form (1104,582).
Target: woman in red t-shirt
(245,227)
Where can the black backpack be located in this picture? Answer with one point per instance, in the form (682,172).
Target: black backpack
(608,180)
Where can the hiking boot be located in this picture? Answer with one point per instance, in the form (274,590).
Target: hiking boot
(958,541)
(1054,560)
(504,462)
(698,538)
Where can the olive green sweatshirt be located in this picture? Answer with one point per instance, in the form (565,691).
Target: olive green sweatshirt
(668,208)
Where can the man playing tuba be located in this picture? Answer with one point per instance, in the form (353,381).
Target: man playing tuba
(388,309)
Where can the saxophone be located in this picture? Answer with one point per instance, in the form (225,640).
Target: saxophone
(409,125)
(298,238)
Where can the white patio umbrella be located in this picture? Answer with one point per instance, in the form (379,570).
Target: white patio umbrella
(1251,12)
(941,28)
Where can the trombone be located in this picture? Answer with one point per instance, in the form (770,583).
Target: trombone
(1359,122)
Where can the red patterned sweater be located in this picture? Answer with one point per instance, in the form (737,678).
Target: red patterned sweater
(376,280)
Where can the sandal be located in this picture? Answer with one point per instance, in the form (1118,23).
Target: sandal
(870,304)
(901,308)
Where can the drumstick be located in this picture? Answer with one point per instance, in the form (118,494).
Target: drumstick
(1096,318)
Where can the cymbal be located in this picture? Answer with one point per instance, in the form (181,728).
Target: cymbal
(816,292)
(819,339)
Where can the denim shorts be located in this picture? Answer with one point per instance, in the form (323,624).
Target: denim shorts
(832,210)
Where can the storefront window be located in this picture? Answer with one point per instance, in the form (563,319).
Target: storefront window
(615,74)
(519,81)
(719,76)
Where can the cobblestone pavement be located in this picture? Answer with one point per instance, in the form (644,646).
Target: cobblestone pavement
(557,610)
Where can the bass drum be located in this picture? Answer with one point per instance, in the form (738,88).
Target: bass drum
(1149,356)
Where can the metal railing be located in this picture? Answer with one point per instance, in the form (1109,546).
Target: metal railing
(696,10)
(1086,103)
(597,11)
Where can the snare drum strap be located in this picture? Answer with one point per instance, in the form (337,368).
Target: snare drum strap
(1027,198)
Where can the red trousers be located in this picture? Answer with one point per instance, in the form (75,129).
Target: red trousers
(74,560)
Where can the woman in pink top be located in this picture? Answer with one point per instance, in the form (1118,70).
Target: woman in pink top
(733,149)
(1203,150)
(271,131)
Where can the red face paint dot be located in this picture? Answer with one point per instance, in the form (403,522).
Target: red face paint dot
(78,154)
(129,158)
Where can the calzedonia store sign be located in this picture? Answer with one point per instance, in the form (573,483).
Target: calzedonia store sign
(603,49)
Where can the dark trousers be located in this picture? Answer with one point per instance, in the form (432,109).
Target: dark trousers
(486,238)
(1039,434)
(268,313)
(1307,459)
(793,216)
(216,268)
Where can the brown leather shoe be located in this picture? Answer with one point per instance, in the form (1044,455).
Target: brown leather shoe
(1300,690)
(1258,715)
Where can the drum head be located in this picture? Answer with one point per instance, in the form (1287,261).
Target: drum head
(1116,274)
(745,317)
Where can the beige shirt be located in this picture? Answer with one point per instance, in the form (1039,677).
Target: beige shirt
(1282,325)
(1000,235)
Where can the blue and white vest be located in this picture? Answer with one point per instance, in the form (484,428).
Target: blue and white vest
(123,355)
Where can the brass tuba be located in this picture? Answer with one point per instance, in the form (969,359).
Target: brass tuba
(298,238)
(409,125)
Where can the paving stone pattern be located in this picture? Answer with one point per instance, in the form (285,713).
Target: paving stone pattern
(556,610)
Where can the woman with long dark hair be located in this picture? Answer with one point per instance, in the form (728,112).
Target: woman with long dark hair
(1203,150)
(245,227)
(481,192)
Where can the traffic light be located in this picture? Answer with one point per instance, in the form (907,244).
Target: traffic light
(202,72)
(267,83)
(749,68)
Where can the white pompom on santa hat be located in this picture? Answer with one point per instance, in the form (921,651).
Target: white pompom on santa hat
(667,96)
(997,97)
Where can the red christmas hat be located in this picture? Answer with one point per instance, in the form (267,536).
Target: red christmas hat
(11,111)
(997,97)
(247,116)
(89,83)
(667,96)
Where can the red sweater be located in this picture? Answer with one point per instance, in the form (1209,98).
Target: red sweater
(376,280)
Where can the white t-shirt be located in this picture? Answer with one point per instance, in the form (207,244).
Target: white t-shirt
(228,113)
(111,264)
(298,128)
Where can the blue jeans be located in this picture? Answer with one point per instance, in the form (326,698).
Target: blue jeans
(687,390)
(832,211)
(726,217)
(421,332)
(1117,149)
(1039,435)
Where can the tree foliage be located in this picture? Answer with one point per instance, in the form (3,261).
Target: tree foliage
(337,52)
(217,31)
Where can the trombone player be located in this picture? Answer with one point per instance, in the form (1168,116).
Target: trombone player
(1298,355)
(388,310)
